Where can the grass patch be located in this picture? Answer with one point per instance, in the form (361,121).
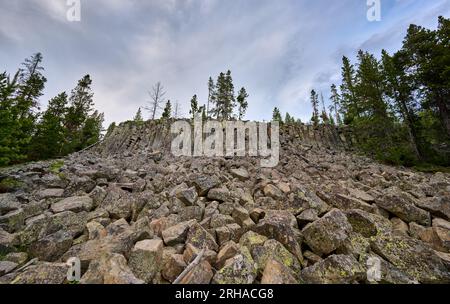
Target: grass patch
(56,166)
(428,168)
(9,184)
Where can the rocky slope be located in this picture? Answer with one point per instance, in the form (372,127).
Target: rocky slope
(132,213)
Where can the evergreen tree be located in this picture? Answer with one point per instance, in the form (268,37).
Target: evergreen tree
(92,129)
(429,56)
(50,136)
(167,113)
(81,104)
(224,97)
(324,115)
(399,88)
(138,117)
(349,99)
(211,96)
(31,84)
(315,106)
(335,100)
(277,115)
(194,106)
(110,129)
(10,151)
(242,103)
(288,119)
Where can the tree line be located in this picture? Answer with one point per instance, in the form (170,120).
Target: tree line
(223,103)
(69,124)
(398,105)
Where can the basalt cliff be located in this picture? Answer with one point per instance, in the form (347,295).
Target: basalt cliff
(132,213)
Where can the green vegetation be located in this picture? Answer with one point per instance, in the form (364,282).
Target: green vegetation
(9,184)
(68,124)
(56,166)
(398,105)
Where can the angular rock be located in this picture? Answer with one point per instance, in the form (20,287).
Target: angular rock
(327,234)
(412,257)
(279,227)
(399,226)
(273,192)
(251,239)
(240,214)
(43,273)
(219,194)
(118,203)
(277,273)
(238,270)
(74,204)
(188,196)
(200,274)
(336,269)
(389,273)
(306,217)
(368,224)
(110,269)
(437,222)
(201,238)
(228,251)
(173,266)
(8,203)
(274,250)
(19,258)
(145,259)
(240,173)
(176,234)
(345,202)
(7,242)
(439,206)
(50,193)
(6,267)
(403,206)
(13,221)
(206,183)
(191,252)
(51,247)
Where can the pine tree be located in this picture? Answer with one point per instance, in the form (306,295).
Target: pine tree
(277,115)
(211,96)
(242,103)
(50,136)
(110,129)
(400,87)
(335,100)
(81,104)
(224,98)
(288,119)
(10,151)
(167,113)
(92,129)
(194,106)
(31,84)
(138,117)
(315,106)
(429,56)
(349,101)
(324,115)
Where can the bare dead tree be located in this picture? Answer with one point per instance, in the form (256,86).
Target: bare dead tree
(156,99)
(177,113)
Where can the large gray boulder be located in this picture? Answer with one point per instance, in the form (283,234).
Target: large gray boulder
(327,234)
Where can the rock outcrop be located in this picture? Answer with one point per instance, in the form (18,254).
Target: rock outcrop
(135,214)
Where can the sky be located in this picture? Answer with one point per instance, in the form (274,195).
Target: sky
(279,50)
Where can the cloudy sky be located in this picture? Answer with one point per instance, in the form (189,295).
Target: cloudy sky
(278,49)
